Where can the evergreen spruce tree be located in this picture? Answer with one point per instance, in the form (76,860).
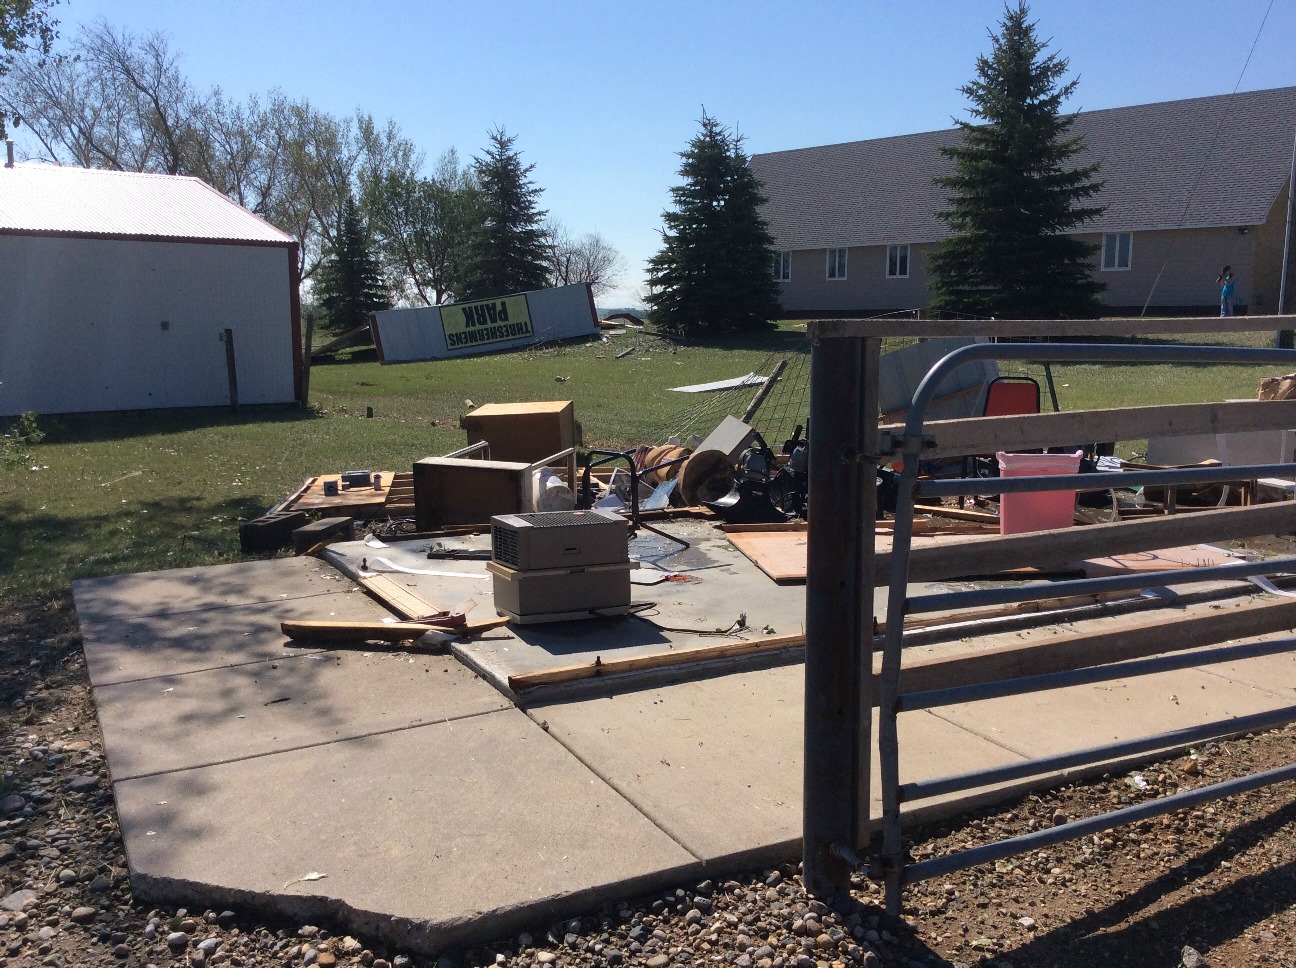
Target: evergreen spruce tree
(1015,191)
(713,274)
(349,286)
(507,251)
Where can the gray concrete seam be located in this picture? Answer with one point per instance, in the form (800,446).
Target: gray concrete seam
(231,665)
(310,746)
(992,740)
(621,791)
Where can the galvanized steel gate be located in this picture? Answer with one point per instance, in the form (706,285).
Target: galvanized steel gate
(841,573)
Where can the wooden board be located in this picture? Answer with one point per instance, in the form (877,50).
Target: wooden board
(357,502)
(782,554)
(1013,329)
(1163,559)
(401,599)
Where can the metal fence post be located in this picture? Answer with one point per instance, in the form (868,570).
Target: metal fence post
(839,608)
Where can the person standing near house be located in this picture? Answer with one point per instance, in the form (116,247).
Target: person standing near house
(1225,280)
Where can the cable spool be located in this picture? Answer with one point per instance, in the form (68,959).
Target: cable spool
(707,476)
(659,455)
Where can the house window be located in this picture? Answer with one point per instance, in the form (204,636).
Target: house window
(782,266)
(836,263)
(897,262)
(1116,251)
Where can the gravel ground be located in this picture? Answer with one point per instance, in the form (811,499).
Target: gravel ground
(1213,886)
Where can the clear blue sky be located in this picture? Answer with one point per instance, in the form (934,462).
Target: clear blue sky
(602,95)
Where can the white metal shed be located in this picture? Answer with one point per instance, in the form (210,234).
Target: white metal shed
(116,290)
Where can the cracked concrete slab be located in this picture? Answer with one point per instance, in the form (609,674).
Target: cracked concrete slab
(217,715)
(148,645)
(420,833)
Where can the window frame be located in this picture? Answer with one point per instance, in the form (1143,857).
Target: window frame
(896,249)
(783,267)
(1115,265)
(835,269)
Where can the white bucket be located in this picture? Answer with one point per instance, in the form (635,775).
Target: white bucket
(551,494)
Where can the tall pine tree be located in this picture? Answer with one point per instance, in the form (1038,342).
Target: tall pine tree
(507,251)
(1016,191)
(349,285)
(712,275)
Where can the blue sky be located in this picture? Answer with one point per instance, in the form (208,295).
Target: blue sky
(602,96)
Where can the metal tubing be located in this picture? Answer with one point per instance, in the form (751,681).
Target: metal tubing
(1177,739)
(1080,677)
(977,597)
(963,486)
(938,866)
(1078,353)
(889,687)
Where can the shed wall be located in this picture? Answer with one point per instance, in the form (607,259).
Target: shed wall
(82,324)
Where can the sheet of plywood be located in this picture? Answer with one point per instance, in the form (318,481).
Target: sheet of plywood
(1164,559)
(781,554)
(356,502)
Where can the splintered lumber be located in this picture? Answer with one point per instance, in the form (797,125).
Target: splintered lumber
(1131,637)
(658,660)
(322,631)
(402,600)
(733,650)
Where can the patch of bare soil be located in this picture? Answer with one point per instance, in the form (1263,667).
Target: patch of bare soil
(1214,885)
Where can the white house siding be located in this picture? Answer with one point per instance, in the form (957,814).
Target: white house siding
(81,323)
(866,288)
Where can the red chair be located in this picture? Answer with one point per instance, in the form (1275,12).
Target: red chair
(1010,395)
(1005,396)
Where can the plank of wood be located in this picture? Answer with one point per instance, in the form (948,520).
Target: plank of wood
(399,597)
(986,435)
(325,631)
(1131,637)
(971,515)
(356,502)
(287,502)
(657,660)
(915,622)
(783,555)
(958,556)
(1017,329)
(1162,559)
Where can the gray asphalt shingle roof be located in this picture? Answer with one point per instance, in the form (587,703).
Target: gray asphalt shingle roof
(1203,162)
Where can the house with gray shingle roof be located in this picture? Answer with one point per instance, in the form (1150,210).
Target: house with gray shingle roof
(1189,186)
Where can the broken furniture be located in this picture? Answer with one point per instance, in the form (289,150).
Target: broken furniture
(455,490)
(560,565)
(525,432)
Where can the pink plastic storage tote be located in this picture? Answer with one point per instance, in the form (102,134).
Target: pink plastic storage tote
(1040,510)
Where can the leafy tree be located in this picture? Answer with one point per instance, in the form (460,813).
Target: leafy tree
(420,224)
(349,285)
(712,274)
(506,253)
(26,26)
(1016,192)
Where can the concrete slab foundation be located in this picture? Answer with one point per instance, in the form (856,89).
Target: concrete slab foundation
(437,812)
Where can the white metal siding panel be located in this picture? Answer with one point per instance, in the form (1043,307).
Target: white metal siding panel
(50,198)
(81,324)
(408,335)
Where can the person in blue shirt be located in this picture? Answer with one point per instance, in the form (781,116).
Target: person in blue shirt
(1225,280)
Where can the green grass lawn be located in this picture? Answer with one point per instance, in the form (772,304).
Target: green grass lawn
(119,493)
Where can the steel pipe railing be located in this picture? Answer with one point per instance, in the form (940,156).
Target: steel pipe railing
(891,702)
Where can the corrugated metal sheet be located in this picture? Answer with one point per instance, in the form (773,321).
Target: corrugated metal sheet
(409,335)
(84,201)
